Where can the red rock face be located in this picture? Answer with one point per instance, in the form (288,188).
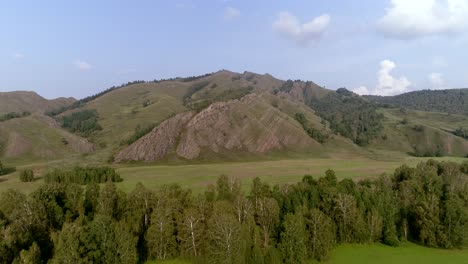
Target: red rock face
(247,125)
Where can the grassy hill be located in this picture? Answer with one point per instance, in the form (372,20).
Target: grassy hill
(236,116)
(422,133)
(25,101)
(38,137)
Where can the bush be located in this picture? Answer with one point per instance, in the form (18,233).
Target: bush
(312,132)
(80,175)
(6,170)
(27,176)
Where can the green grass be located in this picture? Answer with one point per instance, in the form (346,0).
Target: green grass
(378,253)
(199,176)
(406,253)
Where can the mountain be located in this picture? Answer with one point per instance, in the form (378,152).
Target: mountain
(231,116)
(26,101)
(453,101)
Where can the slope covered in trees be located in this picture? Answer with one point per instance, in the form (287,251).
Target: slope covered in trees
(349,115)
(453,101)
(64,223)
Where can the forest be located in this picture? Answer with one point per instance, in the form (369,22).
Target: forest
(63,222)
(445,101)
(349,115)
(83,122)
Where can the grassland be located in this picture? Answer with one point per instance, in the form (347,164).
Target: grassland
(378,253)
(199,176)
(406,253)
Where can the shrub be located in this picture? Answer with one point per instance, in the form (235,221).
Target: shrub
(80,175)
(6,170)
(26,176)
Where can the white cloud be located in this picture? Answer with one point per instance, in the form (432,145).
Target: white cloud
(231,13)
(437,81)
(387,84)
(289,26)
(82,65)
(18,56)
(406,19)
(362,90)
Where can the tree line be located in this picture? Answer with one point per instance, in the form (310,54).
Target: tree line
(66,223)
(4,170)
(83,175)
(445,101)
(13,115)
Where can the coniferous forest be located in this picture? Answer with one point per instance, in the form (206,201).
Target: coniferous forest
(64,222)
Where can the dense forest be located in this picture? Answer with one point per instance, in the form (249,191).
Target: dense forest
(349,115)
(446,101)
(83,123)
(69,223)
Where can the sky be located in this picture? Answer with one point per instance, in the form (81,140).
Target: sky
(381,47)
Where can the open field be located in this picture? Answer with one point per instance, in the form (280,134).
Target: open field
(406,253)
(367,254)
(198,176)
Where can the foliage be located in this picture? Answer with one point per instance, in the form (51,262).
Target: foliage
(88,99)
(349,115)
(140,131)
(194,89)
(65,223)
(84,122)
(312,132)
(287,86)
(446,101)
(6,170)
(81,175)
(461,132)
(13,115)
(26,176)
(226,95)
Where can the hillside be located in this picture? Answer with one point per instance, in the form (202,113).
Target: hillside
(227,116)
(453,101)
(39,137)
(25,101)
(248,125)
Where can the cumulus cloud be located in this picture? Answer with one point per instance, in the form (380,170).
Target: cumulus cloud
(362,90)
(18,56)
(437,81)
(406,19)
(231,13)
(82,65)
(290,27)
(387,84)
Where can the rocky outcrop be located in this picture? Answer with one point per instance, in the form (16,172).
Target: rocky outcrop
(247,125)
(158,143)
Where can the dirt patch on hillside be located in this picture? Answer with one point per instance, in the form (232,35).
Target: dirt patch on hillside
(158,143)
(17,145)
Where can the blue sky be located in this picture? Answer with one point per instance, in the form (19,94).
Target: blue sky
(78,48)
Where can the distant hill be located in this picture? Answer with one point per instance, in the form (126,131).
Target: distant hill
(26,101)
(453,101)
(231,116)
